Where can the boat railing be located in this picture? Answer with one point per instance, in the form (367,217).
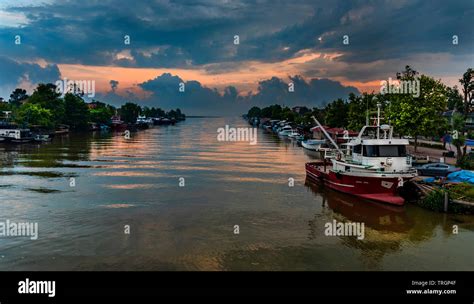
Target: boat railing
(329,153)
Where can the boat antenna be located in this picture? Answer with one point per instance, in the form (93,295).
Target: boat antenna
(327,135)
(379,105)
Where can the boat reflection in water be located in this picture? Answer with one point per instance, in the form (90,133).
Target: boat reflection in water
(387,228)
(374,215)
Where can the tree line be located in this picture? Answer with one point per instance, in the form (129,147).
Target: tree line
(411,115)
(47,108)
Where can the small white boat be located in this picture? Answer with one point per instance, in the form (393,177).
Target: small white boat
(312,144)
(144,122)
(294,134)
(42,138)
(17,136)
(286,131)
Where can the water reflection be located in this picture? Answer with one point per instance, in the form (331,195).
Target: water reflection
(374,215)
(136,182)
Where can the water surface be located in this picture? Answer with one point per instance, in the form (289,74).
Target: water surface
(136,182)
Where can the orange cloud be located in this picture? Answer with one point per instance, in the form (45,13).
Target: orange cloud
(245,76)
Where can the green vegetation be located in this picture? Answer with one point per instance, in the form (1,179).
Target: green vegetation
(336,113)
(76,112)
(47,108)
(420,115)
(129,112)
(462,191)
(410,114)
(35,115)
(100,112)
(435,199)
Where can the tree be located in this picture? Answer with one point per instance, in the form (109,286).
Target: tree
(421,115)
(129,112)
(34,114)
(360,107)
(47,97)
(76,112)
(407,74)
(288,114)
(254,112)
(336,113)
(455,100)
(100,115)
(467,82)
(458,135)
(17,96)
(4,106)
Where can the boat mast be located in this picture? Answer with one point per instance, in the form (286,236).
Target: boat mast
(327,135)
(379,105)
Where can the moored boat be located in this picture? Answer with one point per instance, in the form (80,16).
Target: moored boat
(371,167)
(43,138)
(285,131)
(312,144)
(15,136)
(117,124)
(143,122)
(62,129)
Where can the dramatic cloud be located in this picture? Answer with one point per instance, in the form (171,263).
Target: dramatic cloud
(14,74)
(169,34)
(276,38)
(113,84)
(196,99)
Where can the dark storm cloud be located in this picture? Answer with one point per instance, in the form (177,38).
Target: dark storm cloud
(162,33)
(13,73)
(199,100)
(194,98)
(315,92)
(113,84)
(183,33)
(384,36)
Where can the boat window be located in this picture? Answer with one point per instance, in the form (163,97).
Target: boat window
(385,151)
(357,149)
(371,151)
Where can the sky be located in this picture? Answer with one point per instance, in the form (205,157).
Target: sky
(144,50)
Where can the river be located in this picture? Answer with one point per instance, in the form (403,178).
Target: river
(171,198)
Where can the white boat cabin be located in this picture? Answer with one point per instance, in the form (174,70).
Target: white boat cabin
(15,133)
(387,154)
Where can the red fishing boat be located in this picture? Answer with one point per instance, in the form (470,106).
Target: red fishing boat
(372,166)
(117,124)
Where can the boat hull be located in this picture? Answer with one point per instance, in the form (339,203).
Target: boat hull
(16,140)
(383,189)
(309,146)
(118,127)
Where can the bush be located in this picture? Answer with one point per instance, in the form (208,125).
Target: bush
(463,191)
(34,114)
(466,162)
(435,199)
